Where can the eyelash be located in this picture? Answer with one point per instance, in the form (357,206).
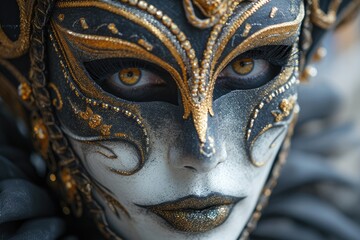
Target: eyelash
(278,55)
(99,70)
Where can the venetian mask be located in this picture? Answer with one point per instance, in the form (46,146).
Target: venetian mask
(169,119)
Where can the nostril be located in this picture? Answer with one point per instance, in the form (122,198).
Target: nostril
(191,168)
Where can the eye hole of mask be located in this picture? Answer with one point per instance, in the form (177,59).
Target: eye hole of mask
(133,80)
(252,69)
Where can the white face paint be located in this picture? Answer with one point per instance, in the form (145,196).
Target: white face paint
(171,174)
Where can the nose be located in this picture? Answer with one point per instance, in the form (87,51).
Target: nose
(203,159)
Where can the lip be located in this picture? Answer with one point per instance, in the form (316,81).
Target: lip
(194,213)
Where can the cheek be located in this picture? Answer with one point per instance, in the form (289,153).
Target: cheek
(111,157)
(265,147)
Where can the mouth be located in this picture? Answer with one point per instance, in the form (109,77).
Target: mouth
(196,214)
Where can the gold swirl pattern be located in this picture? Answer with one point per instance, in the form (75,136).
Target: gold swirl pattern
(12,49)
(197,79)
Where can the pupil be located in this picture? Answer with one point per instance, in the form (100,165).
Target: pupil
(130,74)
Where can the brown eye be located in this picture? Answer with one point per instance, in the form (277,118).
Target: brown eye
(243,66)
(247,73)
(133,80)
(130,76)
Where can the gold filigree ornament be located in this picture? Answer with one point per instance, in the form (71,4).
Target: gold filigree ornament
(71,192)
(321,19)
(95,121)
(12,49)
(57,102)
(212,9)
(41,136)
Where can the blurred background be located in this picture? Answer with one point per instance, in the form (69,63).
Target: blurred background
(341,69)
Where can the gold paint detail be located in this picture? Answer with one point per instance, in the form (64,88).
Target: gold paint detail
(110,154)
(190,99)
(272,182)
(40,131)
(271,35)
(273,12)
(105,130)
(105,46)
(320,18)
(268,99)
(94,121)
(111,201)
(212,9)
(12,49)
(230,33)
(130,76)
(113,29)
(41,136)
(286,106)
(71,191)
(112,43)
(105,151)
(254,161)
(145,44)
(69,183)
(56,102)
(84,24)
(61,17)
(24,91)
(197,94)
(243,66)
(246,30)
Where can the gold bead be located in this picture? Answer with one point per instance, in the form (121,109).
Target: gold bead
(113,28)
(142,5)
(320,54)
(40,131)
(309,72)
(52,177)
(84,24)
(133,2)
(24,91)
(61,17)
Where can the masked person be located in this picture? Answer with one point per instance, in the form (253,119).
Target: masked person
(164,120)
